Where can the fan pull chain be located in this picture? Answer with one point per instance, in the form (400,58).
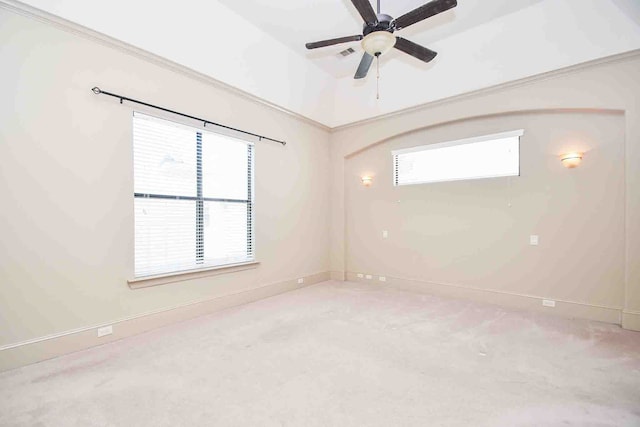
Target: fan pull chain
(378,77)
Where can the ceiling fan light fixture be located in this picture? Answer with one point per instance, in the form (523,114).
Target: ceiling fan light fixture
(377,33)
(378,42)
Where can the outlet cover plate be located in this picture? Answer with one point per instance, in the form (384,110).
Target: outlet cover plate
(105,330)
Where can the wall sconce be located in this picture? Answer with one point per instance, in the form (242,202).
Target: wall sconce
(367,181)
(571,160)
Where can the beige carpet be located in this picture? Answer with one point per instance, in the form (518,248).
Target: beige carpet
(342,354)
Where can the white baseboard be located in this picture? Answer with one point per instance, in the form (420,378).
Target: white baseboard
(47,347)
(631,320)
(337,275)
(570,309)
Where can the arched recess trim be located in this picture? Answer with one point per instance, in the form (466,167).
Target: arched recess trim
(487,116)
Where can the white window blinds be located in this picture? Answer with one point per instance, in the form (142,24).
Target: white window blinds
(481,157)
(193,194)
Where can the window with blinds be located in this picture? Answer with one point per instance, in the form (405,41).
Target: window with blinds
(193,196)
(486,156)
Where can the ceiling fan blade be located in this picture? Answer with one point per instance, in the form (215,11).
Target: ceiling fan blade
(366,11)
(415,50)
(331,42)
(363,68)
(425,11)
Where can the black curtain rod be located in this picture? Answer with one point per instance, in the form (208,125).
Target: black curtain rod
(99,91)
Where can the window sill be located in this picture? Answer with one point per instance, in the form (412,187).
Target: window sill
(162,279)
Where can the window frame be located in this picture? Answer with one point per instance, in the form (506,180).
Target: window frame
(427,147)
(201,268)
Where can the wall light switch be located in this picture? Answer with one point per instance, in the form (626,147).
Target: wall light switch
(385,234)
(300,281)
(105,330)
(382,279)
(360,275)
(533,240)
(369,277)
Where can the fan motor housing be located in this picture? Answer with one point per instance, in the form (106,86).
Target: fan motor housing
(384,24)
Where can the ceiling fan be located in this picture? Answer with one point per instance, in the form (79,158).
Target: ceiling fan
(377,34)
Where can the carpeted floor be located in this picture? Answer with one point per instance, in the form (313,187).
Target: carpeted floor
(342,354)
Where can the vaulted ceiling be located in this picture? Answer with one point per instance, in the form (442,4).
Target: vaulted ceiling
(257,46)
(334,18)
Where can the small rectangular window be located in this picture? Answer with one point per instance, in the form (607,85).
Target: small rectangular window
(193,197)
(486,156)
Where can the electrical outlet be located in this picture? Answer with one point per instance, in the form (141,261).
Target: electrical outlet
(105,330)
(300,281)
(548,303)
(369,277)
(360,275)
(382,279)
(533,240)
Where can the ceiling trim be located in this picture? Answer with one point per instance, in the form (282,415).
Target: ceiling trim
(105,40)
(77,29)
(491,89)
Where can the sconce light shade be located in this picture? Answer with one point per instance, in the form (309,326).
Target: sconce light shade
(571,160)
(367,181)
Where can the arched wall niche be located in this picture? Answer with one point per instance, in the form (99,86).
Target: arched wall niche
(472,237)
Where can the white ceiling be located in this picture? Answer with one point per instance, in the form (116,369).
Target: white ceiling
(481,43)
(295,22)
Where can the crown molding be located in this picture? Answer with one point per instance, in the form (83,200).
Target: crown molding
(80,30)
(495,88)
(105,40)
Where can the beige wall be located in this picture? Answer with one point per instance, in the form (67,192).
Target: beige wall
(66,248)
(611,253)
(475,233)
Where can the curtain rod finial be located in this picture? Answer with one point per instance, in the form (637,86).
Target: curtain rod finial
(96,90)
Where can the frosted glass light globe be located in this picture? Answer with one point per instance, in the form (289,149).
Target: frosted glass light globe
(378,42)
